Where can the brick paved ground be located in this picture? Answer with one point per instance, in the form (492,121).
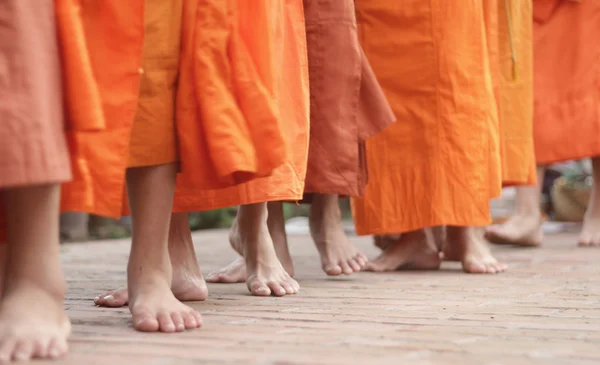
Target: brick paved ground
(546,310)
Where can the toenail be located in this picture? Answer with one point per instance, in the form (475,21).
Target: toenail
(109,298)
(96,299)
(53,353)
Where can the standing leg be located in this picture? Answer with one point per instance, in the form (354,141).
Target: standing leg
(524,228)
(187,283)
(33,322)
(149,273)
(590,234)
(338,254)
(265,273)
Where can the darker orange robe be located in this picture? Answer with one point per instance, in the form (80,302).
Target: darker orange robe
(223,71)
(440,163)
(347,105)
(567,80)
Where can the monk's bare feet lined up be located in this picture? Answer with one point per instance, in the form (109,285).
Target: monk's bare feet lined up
(466,244)
(149,273)
(265,273)
(338,254)
(520,230)
(33,323)
(411,252)
(187,284)
(235,272)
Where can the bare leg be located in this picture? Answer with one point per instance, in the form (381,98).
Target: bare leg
(149,273)
(265,274)
(524,228)
(235,272)
(590,234)
(466,244)
(338,254)
(187,283)
(33,323)
(411,252)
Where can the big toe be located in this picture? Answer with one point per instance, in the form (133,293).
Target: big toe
(276,289)
(332,269)
(145,321)
(113,299)
(259,288)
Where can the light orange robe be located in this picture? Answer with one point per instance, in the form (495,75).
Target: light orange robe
(440,163)
(224,70)
(567,80)
(509,29)
(33,144)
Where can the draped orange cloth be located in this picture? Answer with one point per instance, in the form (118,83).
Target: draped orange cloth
(281,22)
(440,163)
(567,80)
(238,118)
(347,104)
(509,29)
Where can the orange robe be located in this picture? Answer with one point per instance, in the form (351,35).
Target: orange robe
(509,29)
(33,146)
(440,163)
(281,22)
(567,80)
(227,101)
(347,105)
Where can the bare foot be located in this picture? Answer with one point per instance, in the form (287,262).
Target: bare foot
(520,230)
(410,252)
(338,254)
(149,272)
(33,324)
(187,284)
(466,244)
(265,273)
(235,272)
(155,308)
(590,233)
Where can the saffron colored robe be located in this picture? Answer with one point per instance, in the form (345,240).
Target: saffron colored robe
(229,98)
(440,163)
(567,80)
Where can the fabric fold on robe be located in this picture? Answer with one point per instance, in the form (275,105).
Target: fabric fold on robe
(509,29)
(567,81)
(285,26)
(222,74)
(440,163)
(347,104)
